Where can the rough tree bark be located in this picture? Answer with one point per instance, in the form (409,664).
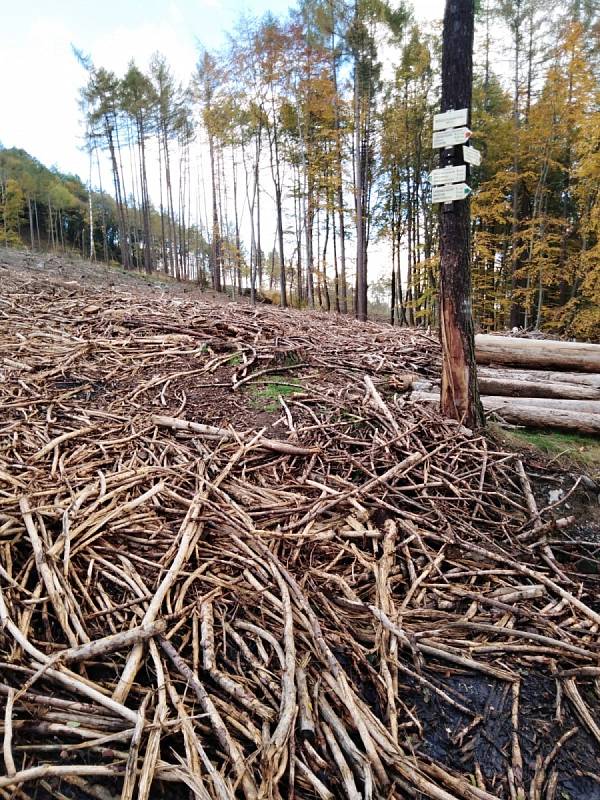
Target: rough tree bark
(459,394)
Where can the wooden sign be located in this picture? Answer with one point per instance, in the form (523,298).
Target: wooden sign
(450,119)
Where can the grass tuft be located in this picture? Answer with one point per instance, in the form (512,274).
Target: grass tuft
(265,395)
(557,446)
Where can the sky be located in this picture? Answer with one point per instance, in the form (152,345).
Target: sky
(39,94)
(39,110)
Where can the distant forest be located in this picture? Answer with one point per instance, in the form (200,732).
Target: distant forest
(298,155)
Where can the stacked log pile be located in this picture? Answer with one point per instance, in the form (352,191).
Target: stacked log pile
(536,383)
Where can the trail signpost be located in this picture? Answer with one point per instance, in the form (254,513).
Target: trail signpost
(459,396)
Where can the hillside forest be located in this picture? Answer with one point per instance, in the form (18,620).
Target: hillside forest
(295,163)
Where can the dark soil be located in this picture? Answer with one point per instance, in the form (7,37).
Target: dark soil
(488,743)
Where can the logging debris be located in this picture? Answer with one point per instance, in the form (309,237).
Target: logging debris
(367,609)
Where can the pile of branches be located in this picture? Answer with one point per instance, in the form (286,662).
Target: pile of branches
(189,607)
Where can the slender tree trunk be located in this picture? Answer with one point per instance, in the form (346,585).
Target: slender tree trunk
(215,249)
(50,227)
(402,312)
(282,283)
(411,293)
(258,252)
(61,229)
(148,265)
(325,244)
(251,204)
(339,173)
(393,237)
(170,208)
(37,224)
(223,227)
(91,210)
(122,225)
(298,226)
(335,259)
(31,232)
(308,232)
(127,261)
(276,174)
(161,207)
(238,247)
(361,277)
(516,310)
(459,391)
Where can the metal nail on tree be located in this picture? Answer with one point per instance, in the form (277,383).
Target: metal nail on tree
(459,394)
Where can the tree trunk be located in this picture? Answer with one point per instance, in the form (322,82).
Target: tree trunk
(393,281)
(50,226)
(298,227)
(277,182)
(238,246)
(339,177)
(31,235)
(148,266)
(250,204)
(516,310)
(215,254)
(459,393)
(37,224)
(122,224)
(361,267)
(125,245)
(91,209)
(325,243)
(170,209)
(258,273)
(162,210)
(336,276)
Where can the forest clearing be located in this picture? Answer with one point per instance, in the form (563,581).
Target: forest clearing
(239,560)
(300,401)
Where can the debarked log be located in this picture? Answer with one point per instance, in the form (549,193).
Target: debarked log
(576,406)
(537,353)
(513,411)
(507,387)
(539,376)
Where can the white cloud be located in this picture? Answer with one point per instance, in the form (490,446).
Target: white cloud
(42,95)
(42,114)
(115,50)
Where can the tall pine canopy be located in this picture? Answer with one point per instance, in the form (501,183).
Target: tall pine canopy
(296,162)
